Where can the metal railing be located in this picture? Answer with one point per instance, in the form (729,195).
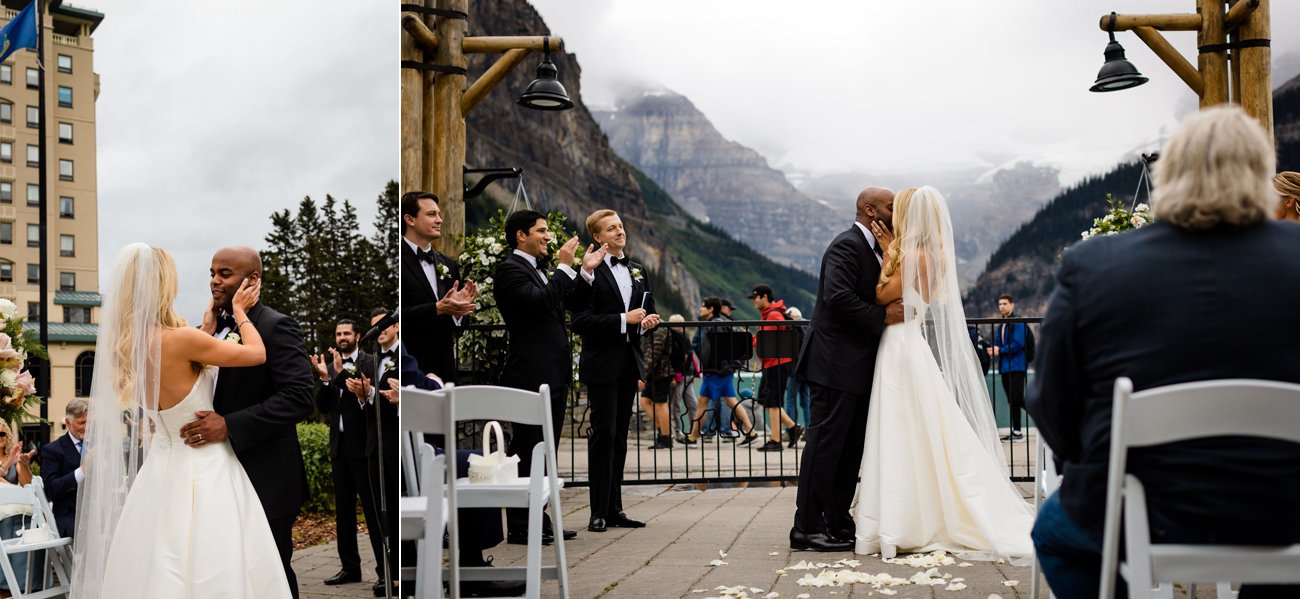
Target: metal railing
(719,458)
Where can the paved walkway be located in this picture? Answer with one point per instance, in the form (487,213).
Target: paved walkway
(314,564)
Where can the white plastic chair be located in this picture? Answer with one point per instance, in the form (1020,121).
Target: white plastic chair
(62,555)
(438,412)
(410,466)
(424,518)
(10,547)
(1238,407)
(1046,482)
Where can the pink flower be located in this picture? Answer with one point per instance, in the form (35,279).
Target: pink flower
(26,383)
(5,342)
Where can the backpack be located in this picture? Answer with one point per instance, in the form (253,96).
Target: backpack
(679,352)
(1029,345)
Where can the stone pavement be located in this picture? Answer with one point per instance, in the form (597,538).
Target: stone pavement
(314,564)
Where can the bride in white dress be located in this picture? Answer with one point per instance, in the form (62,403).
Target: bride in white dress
(933,474)
(157,518)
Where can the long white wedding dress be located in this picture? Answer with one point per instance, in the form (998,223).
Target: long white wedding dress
(933,476)
(192,526)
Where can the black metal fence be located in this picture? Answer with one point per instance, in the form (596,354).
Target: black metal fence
(719,453)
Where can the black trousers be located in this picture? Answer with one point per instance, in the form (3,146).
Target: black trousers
(828,474)
(1014,384)
(611,412)
(384,527)
(524,438)
(351,483)
(282,531)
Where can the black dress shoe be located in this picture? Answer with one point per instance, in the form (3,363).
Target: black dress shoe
(522,538)
(378,589)
(817,541)
(493,588)
(343,577)
(570,535)
(596,525)
(620,520)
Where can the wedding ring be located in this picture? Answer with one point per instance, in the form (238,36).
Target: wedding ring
(198,438)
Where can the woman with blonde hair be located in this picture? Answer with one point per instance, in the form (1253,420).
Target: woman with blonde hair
(157,518)
(1287,184)
(933,475)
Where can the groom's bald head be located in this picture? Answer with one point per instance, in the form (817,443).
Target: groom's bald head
(875,203)
(242,256)
(230,266)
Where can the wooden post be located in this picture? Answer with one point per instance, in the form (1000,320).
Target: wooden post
(449,128)
(1172,58)
(1213,65)
(1256,68)
(1234,58)
(412,107)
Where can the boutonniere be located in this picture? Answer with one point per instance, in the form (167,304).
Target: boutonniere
(636,275)
(386,365)
(443,271)
(233,337)
(350,368)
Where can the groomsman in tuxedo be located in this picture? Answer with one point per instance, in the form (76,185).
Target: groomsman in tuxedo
(610,311)
(61,466)
(259,407)
(837,359)
(381,447)
(347,442)
(435,301)
(531,298)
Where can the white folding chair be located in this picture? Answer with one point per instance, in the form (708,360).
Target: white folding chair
(1237,407)
(439,411)
(11,547)
(61,556)
(1046,482)
(424,518)
(410,467)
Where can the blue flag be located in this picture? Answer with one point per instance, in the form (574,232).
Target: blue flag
(20,32)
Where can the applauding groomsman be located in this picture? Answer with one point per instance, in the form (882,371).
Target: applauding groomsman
(432,292)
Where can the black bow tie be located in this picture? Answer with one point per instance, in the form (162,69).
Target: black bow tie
(425,256)
(384,355)
(625,261)
(348,361)
(225,321)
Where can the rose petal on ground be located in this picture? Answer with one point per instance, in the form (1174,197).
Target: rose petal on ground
(1010,583)
(717,562)
(956,586)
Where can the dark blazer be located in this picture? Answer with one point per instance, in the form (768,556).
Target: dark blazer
(263,405)
(411,374)
(387,412)
(539,350)
(840,348)
(59,461)
(1162,305)
(334,400)
(430,335)
(596,310)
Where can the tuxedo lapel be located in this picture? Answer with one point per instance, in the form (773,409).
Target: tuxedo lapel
(607,274)
(413,269)
(638,287)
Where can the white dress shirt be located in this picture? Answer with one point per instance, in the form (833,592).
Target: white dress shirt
(532,261)
(871,241)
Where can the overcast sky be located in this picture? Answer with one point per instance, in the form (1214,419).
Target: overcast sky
(831,85)
(213,115)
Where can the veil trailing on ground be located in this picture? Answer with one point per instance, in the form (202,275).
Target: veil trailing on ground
(124,389)
(931,295)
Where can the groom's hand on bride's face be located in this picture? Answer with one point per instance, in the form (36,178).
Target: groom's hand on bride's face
(894,312)
(208,427)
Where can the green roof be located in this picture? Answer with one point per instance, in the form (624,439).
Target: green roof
(78,298)
(95,17)
(65,331)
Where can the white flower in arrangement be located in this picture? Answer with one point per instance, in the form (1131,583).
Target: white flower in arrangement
(636,275)
(8,378)
(487,281)
(495,248)
(7,309)
(1137,221)
(233,337)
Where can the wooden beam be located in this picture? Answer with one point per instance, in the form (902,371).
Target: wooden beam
(1256,96)
(427,39)
(448,157)
(1213,65)
(1172,58)
(412,115)
(497,45)
(1239,12)
(491,78)
(1175,22)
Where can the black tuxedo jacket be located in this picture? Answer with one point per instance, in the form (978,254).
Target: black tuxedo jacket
(430,335)
(263,405)
(596,309)
(1162,305)
(59,460)
(539,351)
(840,348)
(387,413)
(334,401)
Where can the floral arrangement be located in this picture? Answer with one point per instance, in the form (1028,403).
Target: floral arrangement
(1119,219)
(484,249)
(17,386)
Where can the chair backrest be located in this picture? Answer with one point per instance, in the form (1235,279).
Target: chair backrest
(486,402)
(46,508)
(424,411)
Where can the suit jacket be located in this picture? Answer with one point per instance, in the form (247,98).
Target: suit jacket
(840,348)
(263,405)
(1011,346)
(430,335)
(539,351)
(335,401)
(1161,306)
(386,412)
(411,374)
(59,461)
(597,308)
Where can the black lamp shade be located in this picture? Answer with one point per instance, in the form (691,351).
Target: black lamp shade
(546,92)
(1118,73)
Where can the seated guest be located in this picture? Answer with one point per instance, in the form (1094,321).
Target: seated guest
(15,517)
(1206,292)
(61,467)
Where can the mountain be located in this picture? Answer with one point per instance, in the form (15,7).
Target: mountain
(717,180)
(570,167)
(1023,265)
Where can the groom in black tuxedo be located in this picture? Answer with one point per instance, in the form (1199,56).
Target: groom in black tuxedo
(433,299)
(610,310)
(258,407)
(837,359)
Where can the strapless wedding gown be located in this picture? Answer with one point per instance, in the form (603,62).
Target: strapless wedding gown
(192,526)
(927,482)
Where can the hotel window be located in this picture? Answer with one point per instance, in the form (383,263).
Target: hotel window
(65,63)
(33,78)
(33,278)
(6,112)
(33,194)
(6,272)
(33,235)
(33,308)
(76,314)
(33,117)
(33,155)
(7,233)
(65,96)
(85,370)
(6,74)
(65,207)
(67,281)
(67,246)
(6,192)
(65,169)
(65,133)
(6,152)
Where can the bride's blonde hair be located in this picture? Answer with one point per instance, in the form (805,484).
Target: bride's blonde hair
(165,286)
(901,201)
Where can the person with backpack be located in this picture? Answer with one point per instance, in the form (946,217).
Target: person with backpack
(657,349)
(719,367)
(776,371)
(1011,342)
(686,370)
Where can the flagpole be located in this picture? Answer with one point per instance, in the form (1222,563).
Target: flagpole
(44,220)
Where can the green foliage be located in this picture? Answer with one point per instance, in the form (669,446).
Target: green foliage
(314,439)
(18,400)
(1119,218)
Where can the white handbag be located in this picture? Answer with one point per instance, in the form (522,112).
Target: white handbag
(493,467)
